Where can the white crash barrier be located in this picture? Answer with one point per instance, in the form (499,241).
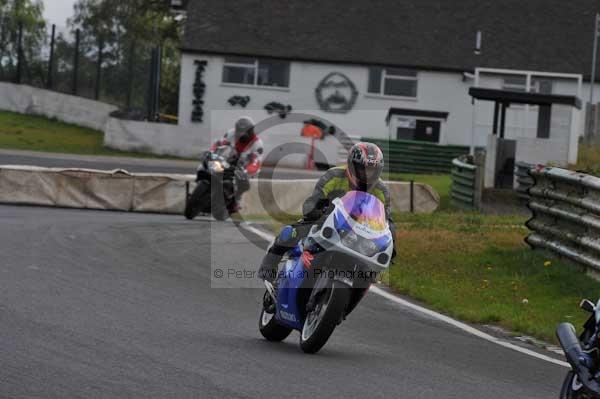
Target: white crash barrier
(160,193)
(72,188)
(81,111)
(155,138)
(165,193)
(288,197)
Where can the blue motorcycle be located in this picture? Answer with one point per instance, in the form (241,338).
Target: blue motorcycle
(328,273)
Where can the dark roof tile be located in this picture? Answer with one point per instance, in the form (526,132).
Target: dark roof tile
(546,35)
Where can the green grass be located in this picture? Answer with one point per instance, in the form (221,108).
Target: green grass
(478,269)
(38,133)
(439,182)
(588,160)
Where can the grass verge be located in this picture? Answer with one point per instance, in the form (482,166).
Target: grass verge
(478,269)
(38,133)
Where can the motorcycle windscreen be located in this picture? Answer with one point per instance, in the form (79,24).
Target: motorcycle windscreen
(365,209)
(227,152)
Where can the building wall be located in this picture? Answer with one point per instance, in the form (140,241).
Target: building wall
(437,91)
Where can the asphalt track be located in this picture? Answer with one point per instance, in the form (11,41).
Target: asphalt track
(117,305)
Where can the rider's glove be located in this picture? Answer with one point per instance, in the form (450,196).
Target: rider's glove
(240,174)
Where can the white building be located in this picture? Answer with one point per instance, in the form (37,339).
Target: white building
(399,69)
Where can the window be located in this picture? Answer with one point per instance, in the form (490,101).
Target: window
(542,86)
(393,82)
(255,72)
(516,83)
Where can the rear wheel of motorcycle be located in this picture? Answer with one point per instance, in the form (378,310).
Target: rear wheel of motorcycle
(572,388)
(220,213)
(194,203)
(320,323)
(271,329)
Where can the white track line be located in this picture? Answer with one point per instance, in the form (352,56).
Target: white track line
(465,327)
(265,236)
(438,316)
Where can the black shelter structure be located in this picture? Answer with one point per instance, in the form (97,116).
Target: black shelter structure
(506,148)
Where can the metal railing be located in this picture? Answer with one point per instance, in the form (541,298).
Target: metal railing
(466,187)
(409,156)
(566,215)
(524,180)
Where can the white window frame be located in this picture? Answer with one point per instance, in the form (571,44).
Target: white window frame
(384,76)
(254,84)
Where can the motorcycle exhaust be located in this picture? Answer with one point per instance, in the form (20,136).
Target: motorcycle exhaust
(577,358)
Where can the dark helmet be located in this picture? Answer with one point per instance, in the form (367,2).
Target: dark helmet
(365,164)
(244,129)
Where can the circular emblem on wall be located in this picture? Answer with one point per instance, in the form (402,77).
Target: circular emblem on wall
(336,93)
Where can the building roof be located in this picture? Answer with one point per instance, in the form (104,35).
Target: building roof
(544,35)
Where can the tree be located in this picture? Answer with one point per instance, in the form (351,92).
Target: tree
(129,30)
(29,13)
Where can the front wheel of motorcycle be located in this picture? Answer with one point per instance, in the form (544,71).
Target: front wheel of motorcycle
(198,198)
(572,388)
(271,329)
(327,314)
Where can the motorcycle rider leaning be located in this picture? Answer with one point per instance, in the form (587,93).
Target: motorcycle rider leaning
(249,149)
(362,173)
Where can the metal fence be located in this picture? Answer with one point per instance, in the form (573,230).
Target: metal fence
(72,62)
(566,215)
(466,186)
(408,156)
(524,179)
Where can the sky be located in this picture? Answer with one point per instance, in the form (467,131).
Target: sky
(57,11)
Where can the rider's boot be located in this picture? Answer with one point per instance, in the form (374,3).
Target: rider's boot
(268,267)
(234,207)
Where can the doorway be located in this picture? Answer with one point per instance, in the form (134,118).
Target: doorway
(427,131)
(505,163)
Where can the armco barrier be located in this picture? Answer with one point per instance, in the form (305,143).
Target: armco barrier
(467,182)
(162,193)
(524,180)
(566,215)
(418,156)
